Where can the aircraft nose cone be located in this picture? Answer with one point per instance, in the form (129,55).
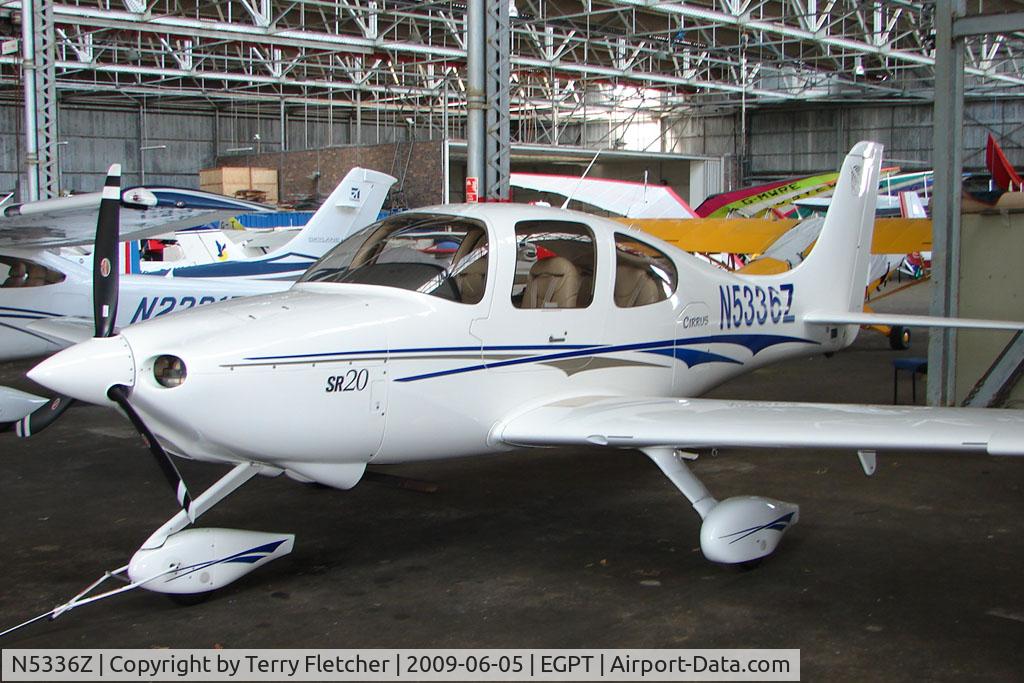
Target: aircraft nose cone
(87,370)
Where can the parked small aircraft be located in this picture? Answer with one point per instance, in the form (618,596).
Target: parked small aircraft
(284,254)
(43,294)
(603,342)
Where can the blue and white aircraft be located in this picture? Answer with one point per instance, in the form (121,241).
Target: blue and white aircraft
(46,296)
(605,340)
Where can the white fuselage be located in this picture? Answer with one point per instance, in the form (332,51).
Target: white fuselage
(368,370)
(141,297)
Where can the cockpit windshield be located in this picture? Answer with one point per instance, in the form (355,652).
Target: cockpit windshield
(444,256)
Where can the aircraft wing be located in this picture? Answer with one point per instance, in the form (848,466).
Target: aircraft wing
(145,212)
(625,198)
(757,235)
(906,320)
(715,235)
(706,423)
(16,404)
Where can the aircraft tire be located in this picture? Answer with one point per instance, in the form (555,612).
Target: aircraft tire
(899,338)
(189,599)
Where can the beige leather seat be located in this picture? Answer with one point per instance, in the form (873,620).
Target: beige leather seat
(586,293)
(472,281)
(17,275)
(553,283)
(635,287)
(36,276)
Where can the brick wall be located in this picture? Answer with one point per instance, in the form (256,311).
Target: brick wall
(296,170)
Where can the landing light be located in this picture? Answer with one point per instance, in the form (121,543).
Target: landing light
(169,371)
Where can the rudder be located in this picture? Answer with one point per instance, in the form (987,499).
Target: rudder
(354,204)
(835,273)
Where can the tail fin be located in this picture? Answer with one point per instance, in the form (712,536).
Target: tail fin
(354,204)
(835,273)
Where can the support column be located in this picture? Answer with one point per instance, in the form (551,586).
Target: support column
(38,78)
(947,151)
(498,81)
(475,93)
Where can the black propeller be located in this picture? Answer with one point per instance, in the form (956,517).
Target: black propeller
(43,416)
(104,294)
(104,256)
(105,287)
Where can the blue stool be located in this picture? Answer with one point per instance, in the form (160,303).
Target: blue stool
(916,366)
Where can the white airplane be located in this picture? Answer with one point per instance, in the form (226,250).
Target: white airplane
(44,293)
(604,343)
(282,254)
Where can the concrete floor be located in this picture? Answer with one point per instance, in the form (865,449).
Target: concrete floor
(914,574)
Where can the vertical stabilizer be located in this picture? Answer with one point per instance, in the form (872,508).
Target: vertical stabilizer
(354,204)
(835,273)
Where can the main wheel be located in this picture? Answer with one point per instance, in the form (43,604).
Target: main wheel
(899,338)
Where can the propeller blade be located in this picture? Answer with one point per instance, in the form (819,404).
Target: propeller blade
(104,258)
(43,416)
(119,394)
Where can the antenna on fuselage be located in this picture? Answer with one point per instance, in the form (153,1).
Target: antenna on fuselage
(565,204)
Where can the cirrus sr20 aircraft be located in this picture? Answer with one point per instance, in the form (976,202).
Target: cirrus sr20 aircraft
(604,339)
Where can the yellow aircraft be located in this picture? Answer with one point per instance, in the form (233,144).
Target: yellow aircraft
(755,236)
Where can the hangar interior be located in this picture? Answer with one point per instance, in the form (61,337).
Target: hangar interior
(704,97)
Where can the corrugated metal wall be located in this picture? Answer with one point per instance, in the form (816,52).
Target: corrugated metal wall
(191,141)
(10,161)
(804,139)
(782,141)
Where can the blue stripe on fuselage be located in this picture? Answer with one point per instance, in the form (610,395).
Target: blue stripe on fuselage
(270,266)
(673,348)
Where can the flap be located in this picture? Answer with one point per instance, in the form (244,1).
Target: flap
(705,423)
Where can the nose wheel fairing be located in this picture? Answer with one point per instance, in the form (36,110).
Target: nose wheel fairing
(202,560)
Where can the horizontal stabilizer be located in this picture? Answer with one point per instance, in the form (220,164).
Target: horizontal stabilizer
(69,329)
(15,404)
(859,318)
(707,423)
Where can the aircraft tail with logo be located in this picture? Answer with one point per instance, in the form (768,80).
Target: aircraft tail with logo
(831,280)
(354,204)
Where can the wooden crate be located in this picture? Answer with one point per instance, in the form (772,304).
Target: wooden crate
(230,180)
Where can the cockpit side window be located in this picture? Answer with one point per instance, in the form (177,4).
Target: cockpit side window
(643,274)
(555,263)
(26,273)
(444,256)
